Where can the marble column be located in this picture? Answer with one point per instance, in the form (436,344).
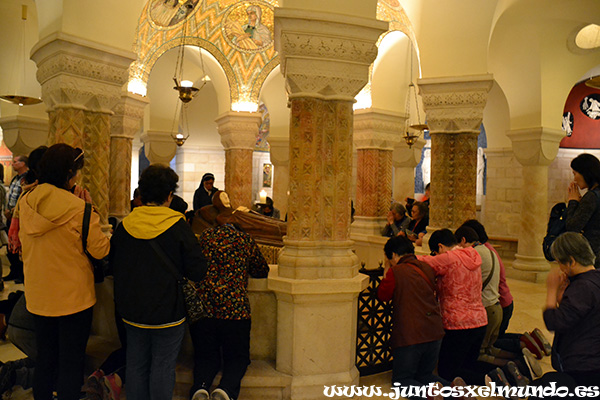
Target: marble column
(159,147)
(535,149)
(376,133)
(125,123)
(325,60)
(454,108)
(81,83)
(238,132)
(280,158)
(405,160)
(22,134)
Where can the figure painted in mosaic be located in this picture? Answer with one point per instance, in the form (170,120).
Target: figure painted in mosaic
(251,35)
(171,12)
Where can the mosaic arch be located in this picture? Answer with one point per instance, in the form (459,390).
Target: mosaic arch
(239,34)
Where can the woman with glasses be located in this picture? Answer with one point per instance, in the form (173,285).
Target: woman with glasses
(60,281)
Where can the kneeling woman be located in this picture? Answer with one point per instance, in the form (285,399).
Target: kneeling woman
(58,275)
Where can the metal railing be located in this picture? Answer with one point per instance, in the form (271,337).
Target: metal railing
(373,353)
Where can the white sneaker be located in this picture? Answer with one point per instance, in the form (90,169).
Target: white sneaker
(201,394)
(219,394)
(532,363)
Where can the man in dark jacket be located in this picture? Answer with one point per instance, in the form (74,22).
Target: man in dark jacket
(150,250)
(417,328)
(204,194)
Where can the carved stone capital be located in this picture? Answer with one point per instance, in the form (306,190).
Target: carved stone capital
(455,104)
(378,129)
(535,146)
(128,116)
(323,55)
(280,151)
(159,147)
(23,134)
(78,73)
(238,130)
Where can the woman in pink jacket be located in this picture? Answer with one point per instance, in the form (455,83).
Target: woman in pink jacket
(458,273)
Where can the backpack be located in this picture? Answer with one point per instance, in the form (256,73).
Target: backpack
(557,224)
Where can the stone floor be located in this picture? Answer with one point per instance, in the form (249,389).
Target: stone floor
(529,298)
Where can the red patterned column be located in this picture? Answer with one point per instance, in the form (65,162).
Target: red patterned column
(454,109)
(238,132)
(376,133)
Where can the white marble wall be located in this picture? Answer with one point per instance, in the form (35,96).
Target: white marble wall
(192,163)
(502,209)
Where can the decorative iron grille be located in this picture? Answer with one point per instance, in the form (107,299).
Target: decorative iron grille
(373,354)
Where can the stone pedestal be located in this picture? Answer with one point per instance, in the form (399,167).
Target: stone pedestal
(238,132)
(81,83)
(535,149)
(376,133)
(280,157)
(159,147)
(325,60)
(23,134)
(125,123)
(454,109)
(405,160)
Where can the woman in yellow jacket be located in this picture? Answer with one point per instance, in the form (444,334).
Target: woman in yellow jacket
(59,281)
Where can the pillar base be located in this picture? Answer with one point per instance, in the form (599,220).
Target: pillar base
(528,268)
(368,226)
(316,332)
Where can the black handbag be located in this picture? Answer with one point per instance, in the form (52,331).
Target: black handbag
(193,303)
(101,266)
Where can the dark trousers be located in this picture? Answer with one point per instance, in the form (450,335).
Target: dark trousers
(459,353)
(61,343)
(507,313)
(414,365)
(213,338)
(16,265)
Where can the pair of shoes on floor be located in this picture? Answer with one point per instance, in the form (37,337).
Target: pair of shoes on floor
(498,377)
(217,394)
(515,376)
(531,345)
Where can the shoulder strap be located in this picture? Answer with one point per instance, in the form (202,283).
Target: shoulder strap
(166,261)
(420,271)
(87,212)
(489,277)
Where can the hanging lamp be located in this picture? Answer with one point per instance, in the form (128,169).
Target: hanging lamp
(17,94)
(412,132)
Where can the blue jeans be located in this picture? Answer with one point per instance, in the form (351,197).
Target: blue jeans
(151,360)
(414,365)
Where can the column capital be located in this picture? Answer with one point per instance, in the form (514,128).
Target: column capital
(159,147)
(128,116)
(378,129)
(279,150)
(78,73)
(535,146)
(455,104)
(238,130)
(324,55)
(22,134)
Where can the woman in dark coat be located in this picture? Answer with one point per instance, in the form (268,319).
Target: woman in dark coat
(583,213)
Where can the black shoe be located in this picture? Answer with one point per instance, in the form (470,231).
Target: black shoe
(515,376)
(10,277)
